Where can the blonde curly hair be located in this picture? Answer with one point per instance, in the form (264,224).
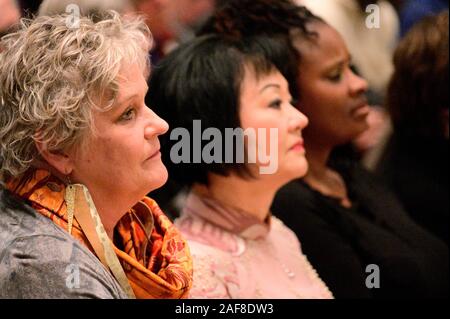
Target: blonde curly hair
(54,75)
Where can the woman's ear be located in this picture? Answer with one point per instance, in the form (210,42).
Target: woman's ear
(59,160)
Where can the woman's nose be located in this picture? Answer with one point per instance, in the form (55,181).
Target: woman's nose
(156,125)
(358,85)
(298,120)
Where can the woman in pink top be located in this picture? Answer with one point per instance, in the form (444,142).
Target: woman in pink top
(250,147)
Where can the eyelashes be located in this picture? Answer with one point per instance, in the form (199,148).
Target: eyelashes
(276,104)
(128,115)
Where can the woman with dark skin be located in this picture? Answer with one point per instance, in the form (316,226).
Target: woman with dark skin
(344,218)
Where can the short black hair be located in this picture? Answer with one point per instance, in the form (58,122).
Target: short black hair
(276,19)
(201,80)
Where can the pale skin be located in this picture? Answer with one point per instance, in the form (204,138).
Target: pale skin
(121,163)
(265,103)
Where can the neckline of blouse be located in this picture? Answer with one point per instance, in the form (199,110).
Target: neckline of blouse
(227,217)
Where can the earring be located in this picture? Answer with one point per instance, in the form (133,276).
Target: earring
(69,197)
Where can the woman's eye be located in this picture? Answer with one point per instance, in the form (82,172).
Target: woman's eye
(335,77)
(128,115)
(276,104)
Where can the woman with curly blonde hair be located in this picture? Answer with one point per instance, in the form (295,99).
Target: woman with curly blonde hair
(79,150)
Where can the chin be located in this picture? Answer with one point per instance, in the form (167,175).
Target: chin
(349,135)
(357,134)
(362,126)
(297,171)
(301,167)
(302,170)
(161,179)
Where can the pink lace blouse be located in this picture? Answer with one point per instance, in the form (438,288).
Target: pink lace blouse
(237,256)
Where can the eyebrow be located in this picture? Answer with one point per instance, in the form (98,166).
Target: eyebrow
(339,62)
(269,86)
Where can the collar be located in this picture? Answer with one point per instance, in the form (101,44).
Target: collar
(227,217)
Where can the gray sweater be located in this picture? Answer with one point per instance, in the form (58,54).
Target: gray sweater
(38,259)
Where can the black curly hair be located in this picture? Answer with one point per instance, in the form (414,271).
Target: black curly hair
(240,18)
(282,20)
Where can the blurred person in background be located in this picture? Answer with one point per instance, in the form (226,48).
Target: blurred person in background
(413,11)
(86,7)
(415,159)
(186,16)
(9,16)
(172,21)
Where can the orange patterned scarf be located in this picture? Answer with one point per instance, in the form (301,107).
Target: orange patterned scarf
(154,256)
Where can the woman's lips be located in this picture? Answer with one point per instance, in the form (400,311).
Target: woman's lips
(154,155)
(361,111)
(299,147)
